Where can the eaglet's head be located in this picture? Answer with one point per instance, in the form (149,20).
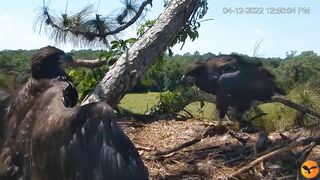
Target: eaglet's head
(46,63)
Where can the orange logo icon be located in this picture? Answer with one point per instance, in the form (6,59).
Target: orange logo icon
(310,169)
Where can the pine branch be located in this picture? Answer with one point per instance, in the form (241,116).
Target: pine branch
(87,33)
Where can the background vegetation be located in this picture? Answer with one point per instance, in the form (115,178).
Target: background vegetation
(297,74)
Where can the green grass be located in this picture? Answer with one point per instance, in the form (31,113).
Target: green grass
(140,103)
(278,116)
(207,112)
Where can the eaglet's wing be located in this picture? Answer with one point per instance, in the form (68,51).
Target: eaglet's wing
(81,143)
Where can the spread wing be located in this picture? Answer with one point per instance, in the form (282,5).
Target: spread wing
(76,143)
(313,167)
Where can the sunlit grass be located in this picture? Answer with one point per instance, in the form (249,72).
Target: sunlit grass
(141,103)
(207,112)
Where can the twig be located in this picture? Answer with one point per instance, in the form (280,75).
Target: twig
(179,147)
(165,156)
(284,137)
(237,137)
(304,153)
(232,161)
(257,116)
(263,158)
(198,139)
(133,124)
(143,148)
(186,111)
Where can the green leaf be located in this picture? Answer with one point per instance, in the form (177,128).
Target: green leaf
(115,44)
(131,40)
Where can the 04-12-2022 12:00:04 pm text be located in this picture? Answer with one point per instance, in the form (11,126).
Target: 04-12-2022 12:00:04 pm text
(266,10)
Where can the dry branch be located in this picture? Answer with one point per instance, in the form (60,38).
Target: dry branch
(265,157)
(143,148)
(238,137)
(198,139)
(304,153)
(277,146)
(295,106)
(179,147)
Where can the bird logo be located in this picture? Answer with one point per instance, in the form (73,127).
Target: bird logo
(309,169)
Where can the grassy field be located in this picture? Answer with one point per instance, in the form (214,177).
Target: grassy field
(141,103)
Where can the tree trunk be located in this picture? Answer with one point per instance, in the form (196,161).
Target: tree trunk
(134,62)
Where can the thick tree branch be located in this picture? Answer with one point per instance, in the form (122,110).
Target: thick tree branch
(95,63)
(134,62)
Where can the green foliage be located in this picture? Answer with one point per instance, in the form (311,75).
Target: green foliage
(301,69)
(122,45)
(14,67)
(14,61)
(142,103)
(143,28)
(174,101)
(190,29)
(86,79)
(299,74)
(164,75)
(170,102)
